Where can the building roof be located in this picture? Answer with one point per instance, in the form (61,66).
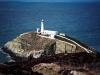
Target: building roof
(50,31)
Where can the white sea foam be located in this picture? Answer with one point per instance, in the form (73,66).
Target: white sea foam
(11,60)
(8,56)
(2,51)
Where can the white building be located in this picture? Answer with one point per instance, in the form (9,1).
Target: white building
(47,32)
(62,34)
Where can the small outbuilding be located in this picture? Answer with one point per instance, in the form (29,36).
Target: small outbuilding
(62,34)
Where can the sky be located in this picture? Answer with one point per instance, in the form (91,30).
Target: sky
(54,0)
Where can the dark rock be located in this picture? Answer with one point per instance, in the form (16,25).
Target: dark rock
(81,62)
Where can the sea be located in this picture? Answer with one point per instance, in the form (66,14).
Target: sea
(78,20)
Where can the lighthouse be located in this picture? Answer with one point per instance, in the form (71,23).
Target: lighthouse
(42,26)
(46,32)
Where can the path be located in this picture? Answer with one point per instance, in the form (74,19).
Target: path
(87,50)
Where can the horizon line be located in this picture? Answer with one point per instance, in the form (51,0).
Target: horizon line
(54,1)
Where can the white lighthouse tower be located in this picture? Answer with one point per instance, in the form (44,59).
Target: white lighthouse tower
(46,32)
(42,26)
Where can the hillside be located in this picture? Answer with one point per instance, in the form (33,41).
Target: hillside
(59,64)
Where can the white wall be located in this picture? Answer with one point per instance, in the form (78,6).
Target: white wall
(50,32)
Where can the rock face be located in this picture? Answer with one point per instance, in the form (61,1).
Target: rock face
(47,68)
(77,73)
(65,47)
(30,44)
(70,64)
(54,69)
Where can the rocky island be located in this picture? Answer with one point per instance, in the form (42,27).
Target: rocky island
(46,52)
(35,45)
(44,42)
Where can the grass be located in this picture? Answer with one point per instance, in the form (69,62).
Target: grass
(79,42)
(63,39)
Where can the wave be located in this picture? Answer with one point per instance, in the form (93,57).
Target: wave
(11,60)
(2,51)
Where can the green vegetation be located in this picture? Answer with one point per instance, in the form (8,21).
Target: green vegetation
(63,39)
(81,43)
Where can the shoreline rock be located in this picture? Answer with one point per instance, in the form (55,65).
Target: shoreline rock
(12,55)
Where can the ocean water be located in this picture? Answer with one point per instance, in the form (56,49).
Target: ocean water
(78,20)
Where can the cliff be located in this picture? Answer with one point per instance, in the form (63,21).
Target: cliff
(30,44)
